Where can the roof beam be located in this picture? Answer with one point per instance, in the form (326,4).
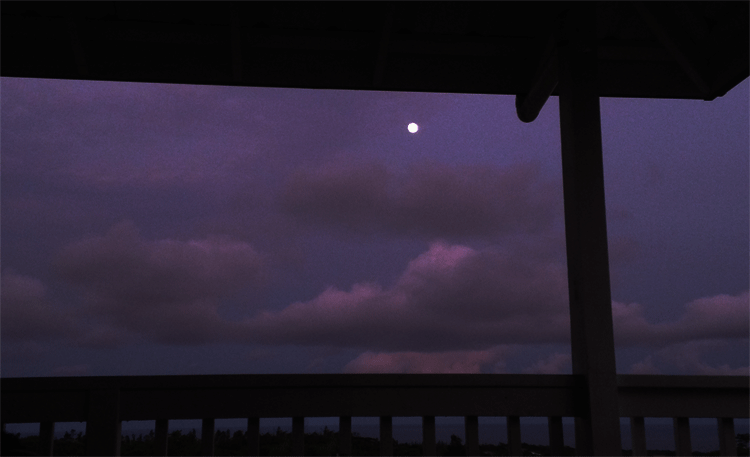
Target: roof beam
(377,79)
(676,40)
(236,43)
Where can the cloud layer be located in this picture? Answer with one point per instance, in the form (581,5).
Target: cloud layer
(432,200)
(453,308)
(166,290)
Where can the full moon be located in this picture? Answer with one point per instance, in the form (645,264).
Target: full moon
(413,127)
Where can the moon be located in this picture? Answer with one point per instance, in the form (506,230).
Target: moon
(413,127)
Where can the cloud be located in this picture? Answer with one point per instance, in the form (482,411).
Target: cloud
(28,314)
(451,297)
(645,366)
(492,360)
(718,317)
(688,358)
(165,290)
(452,300)
(432,200)
(554,364)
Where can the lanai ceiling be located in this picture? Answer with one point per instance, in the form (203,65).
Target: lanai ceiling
(692,50)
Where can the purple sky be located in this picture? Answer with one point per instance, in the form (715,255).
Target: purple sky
(165,229)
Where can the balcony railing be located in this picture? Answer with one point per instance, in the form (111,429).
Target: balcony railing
(103,402)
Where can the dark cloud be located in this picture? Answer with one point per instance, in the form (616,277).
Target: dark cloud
(28,314)
(431,200)
(166,290)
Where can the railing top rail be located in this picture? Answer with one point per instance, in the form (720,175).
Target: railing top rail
(360,380)
(327,395)
(677,381)
(289,380)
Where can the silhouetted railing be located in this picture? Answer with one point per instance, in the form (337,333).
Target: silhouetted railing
(104,402)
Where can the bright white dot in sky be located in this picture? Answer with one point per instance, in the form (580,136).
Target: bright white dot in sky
(413,127)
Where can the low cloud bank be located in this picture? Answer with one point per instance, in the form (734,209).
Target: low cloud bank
(432,200)
(450,310)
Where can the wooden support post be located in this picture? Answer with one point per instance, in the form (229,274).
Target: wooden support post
(638,436)
(386,435)
(727,440)
(103,426)
(555,426)
(514,435)
(207,436)
(298,435)
(161,436)
(345,435)
(253,435)
(682,444)
(471,426)
(46,438)
(592,336)
(428,436)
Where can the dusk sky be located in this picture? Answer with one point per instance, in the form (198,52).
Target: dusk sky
(154,229)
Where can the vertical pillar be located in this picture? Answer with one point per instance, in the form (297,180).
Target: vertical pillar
(514,435)
(207,436)
(253,435)
(638,436)
(386,435)
(428,435)
(298,435)
(682,444)
(592,336)
(103,426)
(727,440)
(555,426)
(46,438)
(471,427)
(161,436)
(345,435)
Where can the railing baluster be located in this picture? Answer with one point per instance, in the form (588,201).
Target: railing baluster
(253,435)
(298,435)
(46,437)
(471,427)
(638,435)
(554,425)
(682,444)
(161,436)
(514,435)
(428,435)
(386,435)
(727,440)
(103,426)
(207,436)
(345,435)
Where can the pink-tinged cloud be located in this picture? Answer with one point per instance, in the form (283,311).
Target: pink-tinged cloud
(491,360)
(456,298)
(27,313)
(165,290)
(449,298)
(688,358)
(719,317)
(432,200)
(556,363)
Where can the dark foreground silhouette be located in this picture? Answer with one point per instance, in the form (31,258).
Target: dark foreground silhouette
(280,443)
